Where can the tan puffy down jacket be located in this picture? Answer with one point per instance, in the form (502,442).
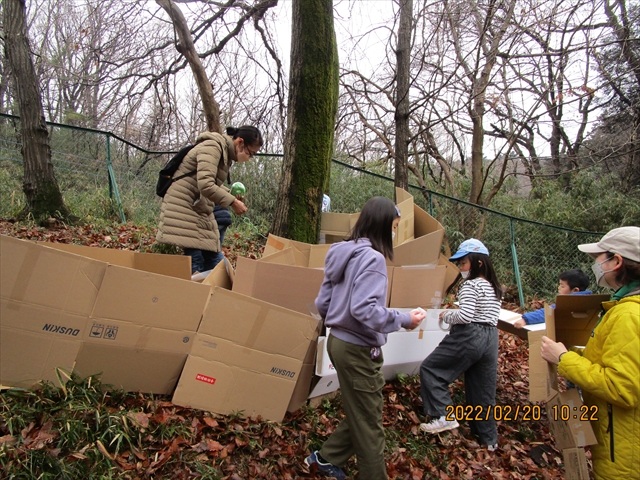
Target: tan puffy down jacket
(186,215)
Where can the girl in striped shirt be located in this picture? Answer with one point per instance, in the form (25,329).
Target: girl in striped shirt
(470,348)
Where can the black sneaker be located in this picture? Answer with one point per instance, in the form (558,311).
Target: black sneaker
(325,467)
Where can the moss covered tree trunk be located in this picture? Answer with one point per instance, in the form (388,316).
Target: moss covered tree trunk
(403,69)
(44,198)
(312,108)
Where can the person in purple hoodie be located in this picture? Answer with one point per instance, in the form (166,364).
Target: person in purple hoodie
(352,301)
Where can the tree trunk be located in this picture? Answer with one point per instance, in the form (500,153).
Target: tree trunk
(44,198)
(186,47)
(403,64)
(312,109)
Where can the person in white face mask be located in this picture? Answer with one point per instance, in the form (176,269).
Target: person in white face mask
(470,348)
(608,368)
(188,218)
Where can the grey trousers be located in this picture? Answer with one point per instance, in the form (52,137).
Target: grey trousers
(471,349)
(361,432)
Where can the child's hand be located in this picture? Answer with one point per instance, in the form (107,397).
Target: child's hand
(417,316)
(519,323)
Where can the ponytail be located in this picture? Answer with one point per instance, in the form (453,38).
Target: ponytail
(251,135)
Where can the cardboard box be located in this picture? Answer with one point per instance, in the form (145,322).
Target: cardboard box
(405,230)
(542,375)
(570,322)
(63,310)
(506,322)
(141,329)
(575,464)
(288,286)
(46,297)
(417,286)
(424,250)
(404,352)
(452,271)
(574,318)
(564,412)
(305,254)
(274,279)
(303,384)
(336,226)
(178,266)
(222,276)
(246,358)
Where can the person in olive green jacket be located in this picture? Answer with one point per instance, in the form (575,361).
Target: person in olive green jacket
(186,214)
(608,369)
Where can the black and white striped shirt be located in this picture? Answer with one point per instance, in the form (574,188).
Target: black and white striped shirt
(478,303)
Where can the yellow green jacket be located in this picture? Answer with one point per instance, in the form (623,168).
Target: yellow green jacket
(608,371)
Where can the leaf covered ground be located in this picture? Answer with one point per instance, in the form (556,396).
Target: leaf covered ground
(85,431)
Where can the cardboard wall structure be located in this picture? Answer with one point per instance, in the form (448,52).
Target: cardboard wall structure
(102,311)
(178,266)
(63,310)
(46,298)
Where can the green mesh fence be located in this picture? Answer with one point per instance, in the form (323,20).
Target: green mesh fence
(105,177)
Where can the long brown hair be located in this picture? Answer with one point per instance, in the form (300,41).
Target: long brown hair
(376,223)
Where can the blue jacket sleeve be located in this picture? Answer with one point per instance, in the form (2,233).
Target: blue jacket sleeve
(532,318)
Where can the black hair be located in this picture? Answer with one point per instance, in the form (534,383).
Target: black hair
(250,135)
(376,223)
(480,267)
(575,278)
(630,271)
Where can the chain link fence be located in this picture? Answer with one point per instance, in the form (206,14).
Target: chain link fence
(105,177)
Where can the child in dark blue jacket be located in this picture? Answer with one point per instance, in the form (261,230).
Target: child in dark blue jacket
(571,282)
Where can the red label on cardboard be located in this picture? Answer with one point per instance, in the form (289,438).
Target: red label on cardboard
(205,379)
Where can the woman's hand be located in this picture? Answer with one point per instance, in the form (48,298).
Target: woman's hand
(417,316)
(238,207)
(551,350)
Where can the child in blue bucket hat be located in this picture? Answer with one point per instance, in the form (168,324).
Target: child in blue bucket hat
(470,348)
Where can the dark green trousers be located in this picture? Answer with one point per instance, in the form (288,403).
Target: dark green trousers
(361,432)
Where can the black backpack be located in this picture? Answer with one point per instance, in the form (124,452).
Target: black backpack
(165,177)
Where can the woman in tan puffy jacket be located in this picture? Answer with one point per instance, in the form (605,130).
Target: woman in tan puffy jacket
(186,215)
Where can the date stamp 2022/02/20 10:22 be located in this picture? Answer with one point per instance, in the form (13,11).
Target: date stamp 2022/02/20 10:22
(520,412)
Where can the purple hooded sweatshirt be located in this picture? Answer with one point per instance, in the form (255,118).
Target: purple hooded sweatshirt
(353,295)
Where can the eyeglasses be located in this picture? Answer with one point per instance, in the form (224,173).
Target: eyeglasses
(249,152)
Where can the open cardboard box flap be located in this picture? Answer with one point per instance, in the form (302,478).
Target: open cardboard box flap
(305,254)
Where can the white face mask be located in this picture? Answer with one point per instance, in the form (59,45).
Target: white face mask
(599,273)
(465,275)
(393,235)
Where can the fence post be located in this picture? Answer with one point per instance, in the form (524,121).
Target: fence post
(113,186)
(516,268)
(430,203)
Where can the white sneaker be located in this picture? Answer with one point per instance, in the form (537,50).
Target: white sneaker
(492,448)
(439,425)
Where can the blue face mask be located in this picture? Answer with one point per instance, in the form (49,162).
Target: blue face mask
(599,273)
